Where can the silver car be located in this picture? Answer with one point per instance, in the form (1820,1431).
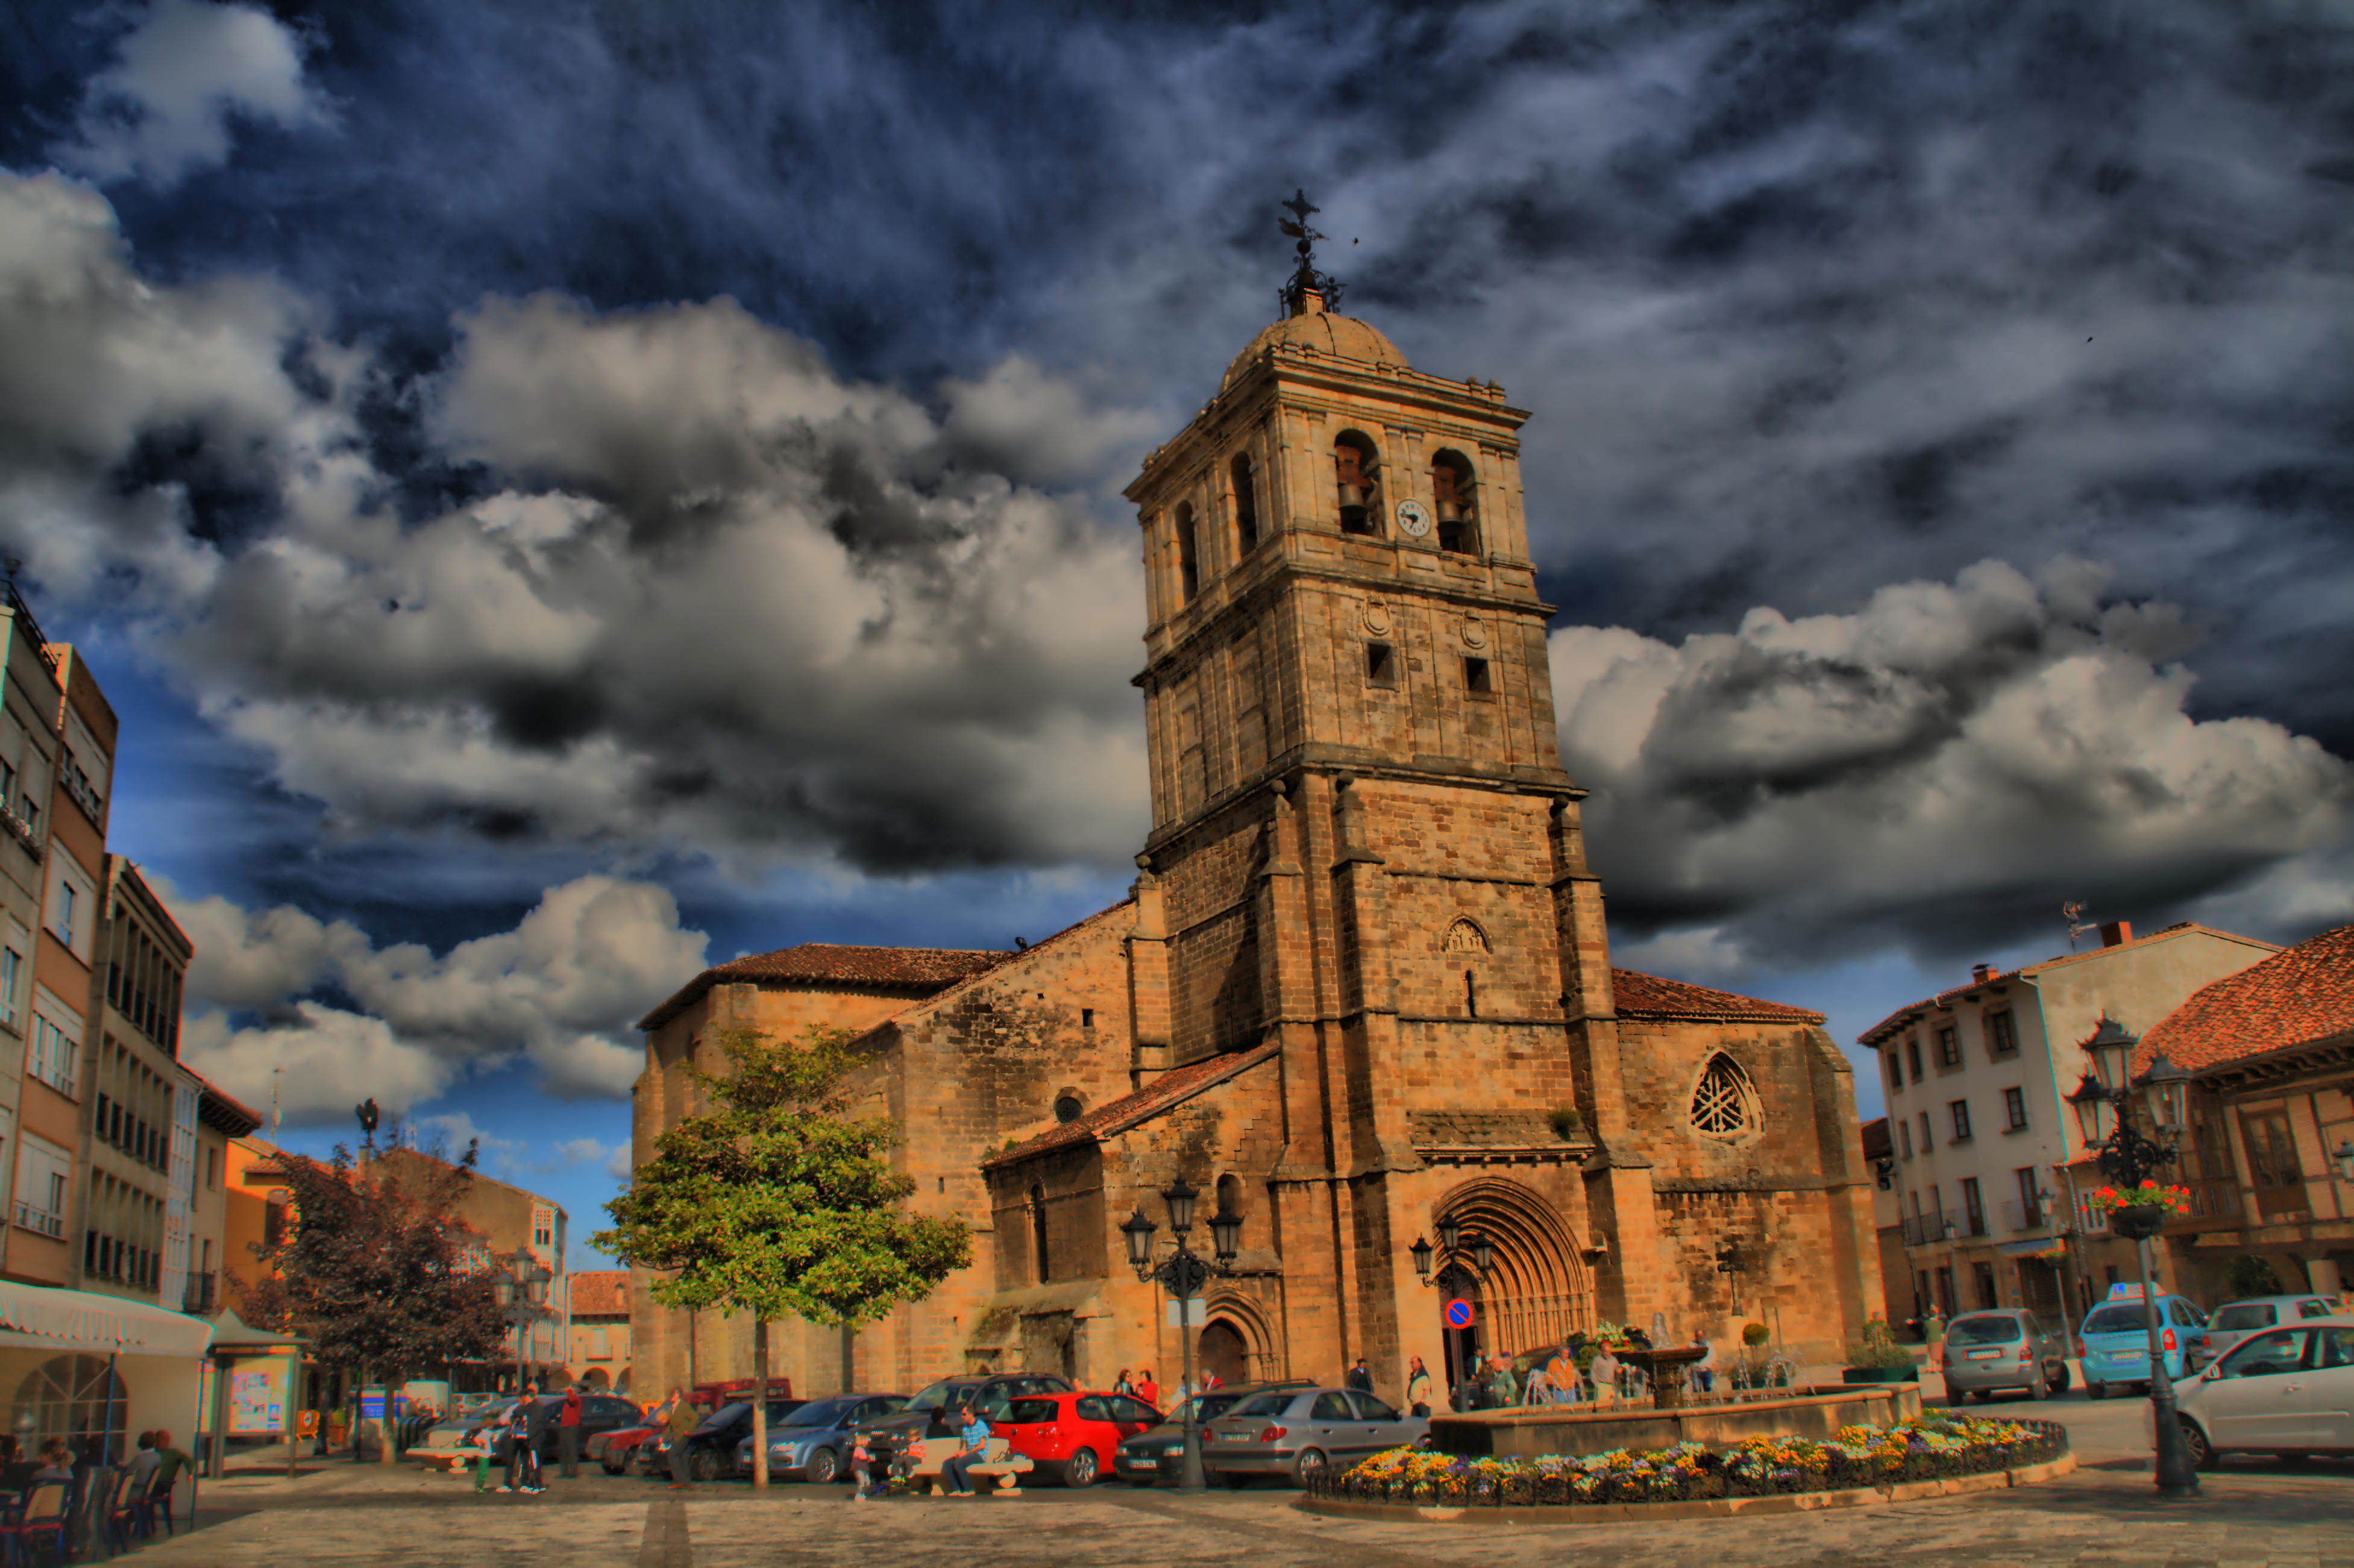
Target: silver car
(1297,1434)
(2007,1348)
(2234,1320)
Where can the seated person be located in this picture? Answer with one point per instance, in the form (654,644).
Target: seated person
(145,1462)
(16,1471)
(57,1463)
(957,1474)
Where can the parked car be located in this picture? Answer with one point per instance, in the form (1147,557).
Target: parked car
(2008,1348)
(1071,1437)
(1298,1432)
(2286,1391)
(989,1393)
(612,1451)
(2114,1341)
(1154,1454)
(711,1446)
(813,1444)
(599,1413)
(2234,1320)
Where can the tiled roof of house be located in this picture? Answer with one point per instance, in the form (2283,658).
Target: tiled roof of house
(601,1293)
(1877,1145)
(222,1112)
(1912,1010)
(1164,1093)
(1640,995)
(921,969)
(2300,993)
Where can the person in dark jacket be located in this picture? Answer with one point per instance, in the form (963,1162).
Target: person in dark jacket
(533,1431)
(567,1434)
(682,1419)
(1360,1378)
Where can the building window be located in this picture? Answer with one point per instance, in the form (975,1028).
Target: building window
(1925,1144)
(1038,1234)
(1476,677)
(1973,1208)
(1961,1109)
(1949,1047)
(1087,1018)
(1380,665)
(1245,504)
(1913,1055)
(2002,1035)
(1905,1136)
(2272,1151)
(2030,1206)
(1896,1072)
(1068,1109)
(12,974)
(1724,1103)
(1455,501)
(42,1170)
(1189,554)
(56,1056)
(2014,1109)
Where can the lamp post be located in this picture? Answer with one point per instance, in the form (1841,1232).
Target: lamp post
(2104,1103)
(521,1287)
(1452,1278)
(1183,1274)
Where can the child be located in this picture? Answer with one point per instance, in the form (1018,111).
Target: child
(861,1463)
(483,1443)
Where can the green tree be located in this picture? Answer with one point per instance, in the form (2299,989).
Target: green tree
(779,1201)
(374,1268)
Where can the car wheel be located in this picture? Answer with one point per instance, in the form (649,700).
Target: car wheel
(2293,1456)
(2060,1377)
(1079,1469)
(704,1465)
(2097,1390)
(2041,1387)
(611,1468)
(822,1469)
(1309,1465)
(2202,1454)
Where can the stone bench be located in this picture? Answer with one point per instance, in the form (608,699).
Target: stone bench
(998,1474)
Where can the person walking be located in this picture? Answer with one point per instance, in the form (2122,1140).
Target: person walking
(1360,1378)
(677,1424)
(567,1434)
(1418,1388)
(957,1473)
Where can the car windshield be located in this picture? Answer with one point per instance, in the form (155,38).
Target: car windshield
(935,1397)
(2247,1314)
(1031,1412)
(492,1412)
(728,1413)
(2117,1318)
(822,1412)
(1263,1405)
(1985,1331)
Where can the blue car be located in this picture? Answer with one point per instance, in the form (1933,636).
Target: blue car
(813,1442)
(2114,1341)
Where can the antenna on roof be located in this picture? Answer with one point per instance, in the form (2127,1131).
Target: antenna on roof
(1019,946)
(2076,928)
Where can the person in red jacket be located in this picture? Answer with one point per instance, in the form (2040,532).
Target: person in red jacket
(567,1434)
(1147,1390)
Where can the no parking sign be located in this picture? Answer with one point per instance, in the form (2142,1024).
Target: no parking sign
(1458,1313)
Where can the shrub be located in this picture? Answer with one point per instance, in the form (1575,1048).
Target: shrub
(1568,1124)
(1877,1348)
(1754,1334)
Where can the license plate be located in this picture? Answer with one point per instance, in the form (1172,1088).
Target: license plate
(1985,1355)
(1144,1464)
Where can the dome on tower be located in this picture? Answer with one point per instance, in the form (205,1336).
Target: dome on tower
(1323,332)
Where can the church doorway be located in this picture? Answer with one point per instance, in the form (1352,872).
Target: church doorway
(1221,1351)
(1462,1345)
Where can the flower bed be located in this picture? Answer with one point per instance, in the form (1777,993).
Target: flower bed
(1931,1448)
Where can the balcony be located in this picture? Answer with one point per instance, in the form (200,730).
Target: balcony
(1974,1223)
(198,1299)
(1920,1230)
(2018,1215)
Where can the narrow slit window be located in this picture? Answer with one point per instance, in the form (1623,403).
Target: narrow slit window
(1380,665)
(1476,676)
(1470,993)
(1189,556)
(1245,502)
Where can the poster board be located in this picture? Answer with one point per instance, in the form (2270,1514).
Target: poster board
(257,1395)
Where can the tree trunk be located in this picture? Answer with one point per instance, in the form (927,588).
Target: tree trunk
(759,1403)
(389,1425)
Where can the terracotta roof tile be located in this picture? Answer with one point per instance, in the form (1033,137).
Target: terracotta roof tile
(1164,1093)
(2298,994)
(820,963)
(1640,995)
(1877,1144)
(601,1293)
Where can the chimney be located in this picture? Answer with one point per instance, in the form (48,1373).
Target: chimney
(2116,934)
(1978,973)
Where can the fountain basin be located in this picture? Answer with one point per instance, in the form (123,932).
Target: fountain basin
(1533,1431)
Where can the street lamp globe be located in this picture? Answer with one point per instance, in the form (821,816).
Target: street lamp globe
(1139,1231)
(1179,1195)
(1483,1252)
(1450,1233)
(2169,1091)
(1421,1250)
(2093,1110)
(1226,1234)
(2111,1049)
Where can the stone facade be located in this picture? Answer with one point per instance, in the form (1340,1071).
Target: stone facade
(1361,982)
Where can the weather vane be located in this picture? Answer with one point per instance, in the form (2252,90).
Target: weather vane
(1304,279)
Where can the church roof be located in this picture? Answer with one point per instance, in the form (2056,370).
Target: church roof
(1165,1092)
(922,969)
(2299,994)
(1640,995)
(1323,332)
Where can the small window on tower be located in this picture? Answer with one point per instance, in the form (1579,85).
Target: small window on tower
(1358,473)
(1188,558)
(1068,1109)
(1380,665)
(1245,504)
(1476,677)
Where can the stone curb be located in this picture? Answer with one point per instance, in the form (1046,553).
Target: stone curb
(1704,1508)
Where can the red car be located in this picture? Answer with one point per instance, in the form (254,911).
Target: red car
(1072,1437)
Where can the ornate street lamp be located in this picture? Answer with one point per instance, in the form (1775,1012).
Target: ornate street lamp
(521,1285)
(1183,1274)
(1460,1244)
(1450,1233)
(1421,1250)
(2128,1157)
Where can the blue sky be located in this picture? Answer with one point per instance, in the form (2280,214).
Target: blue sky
(562,493)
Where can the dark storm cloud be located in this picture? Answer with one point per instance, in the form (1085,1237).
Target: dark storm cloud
(1808,301)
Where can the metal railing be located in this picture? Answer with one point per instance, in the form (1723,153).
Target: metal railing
(197,1298)
(2024,1216)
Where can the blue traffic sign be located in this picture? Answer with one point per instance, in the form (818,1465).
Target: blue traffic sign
(1459,1314)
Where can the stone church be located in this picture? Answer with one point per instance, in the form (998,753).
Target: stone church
(1361,984)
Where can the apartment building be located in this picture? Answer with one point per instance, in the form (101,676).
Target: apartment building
(1977,1080)
(36,1175)
(599,1300)
(221,1125)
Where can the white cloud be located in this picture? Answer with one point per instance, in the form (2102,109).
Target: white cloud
(563,991)
(1944,764)
(163,110)
(617,1165)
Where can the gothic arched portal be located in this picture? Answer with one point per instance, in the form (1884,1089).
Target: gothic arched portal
(1537,1291)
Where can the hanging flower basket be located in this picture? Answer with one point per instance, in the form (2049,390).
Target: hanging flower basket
(2140,1212)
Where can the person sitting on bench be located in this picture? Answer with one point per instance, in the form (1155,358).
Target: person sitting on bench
(956,1474)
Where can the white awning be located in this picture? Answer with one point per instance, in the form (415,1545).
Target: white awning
(78,1320)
